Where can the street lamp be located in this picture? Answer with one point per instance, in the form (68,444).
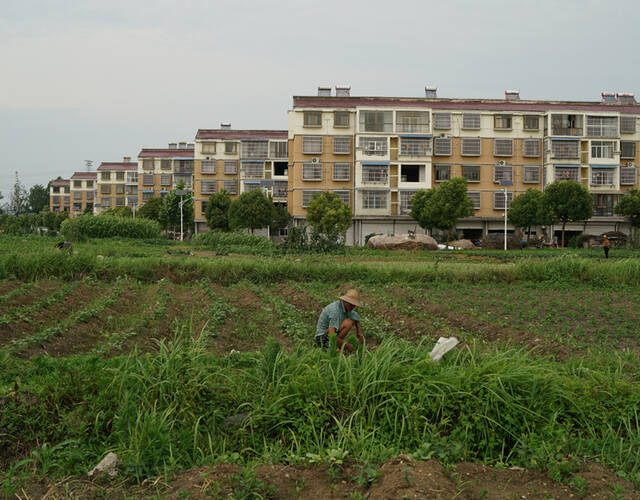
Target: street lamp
(505,183)
(181,193)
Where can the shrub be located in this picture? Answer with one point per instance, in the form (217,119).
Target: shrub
(218,239)
(106,226)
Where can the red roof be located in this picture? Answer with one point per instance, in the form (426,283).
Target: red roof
(118,166)
(240,134)
(84,175)
(165,153)
(452,104)
(60,182)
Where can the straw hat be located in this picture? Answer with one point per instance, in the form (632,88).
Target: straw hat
(351,297)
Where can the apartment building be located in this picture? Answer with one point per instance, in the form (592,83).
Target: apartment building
(83,189)
(160,170)
(116,185)
(59,195)
(376,152)
(239,161)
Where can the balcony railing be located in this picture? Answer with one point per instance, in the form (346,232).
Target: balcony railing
(603,211)
(568,131)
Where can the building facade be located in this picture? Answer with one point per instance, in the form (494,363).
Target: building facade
(116,185)
(238,161)
(60,195)
(162,169)
(83,189)
(376,152)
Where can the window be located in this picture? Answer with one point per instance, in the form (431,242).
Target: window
(627,149)
(105,189)
(442,121)
(279,149)
(105,176)
(203,209)
(413,122)
(207,187)
(77,184)
(90,183)
(499,198)
(567,173)
(147,164)
(55,200)
(503,147)
(146,196)
(231,187)
(230,148)
(602,149)
(119,188)
(306,197)
(474,196)
(602,176)
(471,121)
(471,173)
(470,146)
(183,166)
(603,205)
(413,146)
(627,176)
(374,146)
(602,126)
(77,195)
(628,124)
(253,169)
(342,144)
(376,121)
(530,174)
(344,195)
(312,144)
(105,202)
(208,167)
(531,148)
(120,201)
(165,164)
(341,119)
(442,146)
(375,174)
(312,171)
(208,147)
(147,179)
(531,122)
(442,172)
(165,179)
(280,168)
(411,173)
(312,118)
(132,178)
(502,122)
(251,186)
(405,201)
(280,189)
(255,149)
(502,173)
(119,176)
(131,189)
(374,199)
(341,172)
(230,167)
(565,149)
(89,195)
(566,125)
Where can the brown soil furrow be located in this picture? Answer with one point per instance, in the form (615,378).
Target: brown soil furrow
(40,290)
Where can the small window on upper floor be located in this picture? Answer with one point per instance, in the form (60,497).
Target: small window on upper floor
(531,122)
(471,121)
(230,148)
(312,118)
(341,119)
(628,124)
(105,176)
(442,121)
(502,122)
(208,147)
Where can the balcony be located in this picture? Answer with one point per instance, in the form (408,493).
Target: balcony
(567,131)
(183,168)
(603,212)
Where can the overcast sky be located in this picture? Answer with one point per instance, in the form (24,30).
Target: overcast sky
(95,80)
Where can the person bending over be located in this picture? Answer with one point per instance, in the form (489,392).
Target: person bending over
(340,318)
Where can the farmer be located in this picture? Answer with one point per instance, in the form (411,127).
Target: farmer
(606,244)
(340,318)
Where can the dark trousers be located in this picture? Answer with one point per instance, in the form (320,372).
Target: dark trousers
(606,252)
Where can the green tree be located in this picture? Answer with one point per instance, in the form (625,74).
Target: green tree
(151,209)
(528,210)
(281,217)
(119,212)
(567,201)
(38,198)
(217,212)
(629,207)
(252,210)
(19,201)
(170,210)
(440,208)
(329,217)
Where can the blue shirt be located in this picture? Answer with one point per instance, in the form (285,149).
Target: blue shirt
(332,316)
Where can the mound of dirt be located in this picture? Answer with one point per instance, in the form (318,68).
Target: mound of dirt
(462,244)
(403,242)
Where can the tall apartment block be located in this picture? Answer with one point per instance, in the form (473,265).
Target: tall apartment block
(117,185)
(160,170)
(239,161)
(83,189)
(376,152)
(60,195)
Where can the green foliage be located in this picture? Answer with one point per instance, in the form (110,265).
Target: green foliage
(38,198)
(105,226)
(151,209)
(169,215)
(119,212)
(217,212)
(629,207)
(252,210)
(329,218)
(281,217)
(440,208)
(567,201)
(31,223)
(233,242)
(528,209)
(19,200)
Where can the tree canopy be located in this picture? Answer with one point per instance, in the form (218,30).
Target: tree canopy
(252,210)
(629,207)
(19,200)
(151,209)
(217,212)
(567,201)
(169,214)
(329,217)
(442,207)
(528,210)
(38,198)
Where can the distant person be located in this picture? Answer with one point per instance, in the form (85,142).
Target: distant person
(63,246)
(606,244)
(340,318)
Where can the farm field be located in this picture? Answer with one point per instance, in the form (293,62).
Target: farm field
(196,366)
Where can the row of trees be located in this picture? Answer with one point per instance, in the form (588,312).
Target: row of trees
(22,201)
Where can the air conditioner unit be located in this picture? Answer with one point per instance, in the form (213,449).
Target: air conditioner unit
(630,164)
(315,159)
(443,135)
(502,163)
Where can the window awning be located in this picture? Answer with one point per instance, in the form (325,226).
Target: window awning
(596,165)
(252,182)
(565,138)
(375,163)
(182,158)
(566,165)
(147,191)
(405,136)
(163,191)
(266,183)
